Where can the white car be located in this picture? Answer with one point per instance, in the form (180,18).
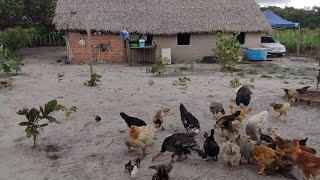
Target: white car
(274,47)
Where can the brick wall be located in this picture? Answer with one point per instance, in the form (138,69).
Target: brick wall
(80,53)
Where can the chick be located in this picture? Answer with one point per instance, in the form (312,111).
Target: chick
(158,118)
(132,167)
(282,109)
(163,170)
(216,108)
(231,153)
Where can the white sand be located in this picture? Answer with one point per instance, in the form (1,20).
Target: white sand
(90,150)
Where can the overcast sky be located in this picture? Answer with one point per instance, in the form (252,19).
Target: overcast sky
(290,3)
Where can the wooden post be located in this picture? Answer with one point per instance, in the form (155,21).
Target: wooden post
(90,51)
(298,44)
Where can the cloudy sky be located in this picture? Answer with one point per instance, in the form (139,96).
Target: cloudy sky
(290,3)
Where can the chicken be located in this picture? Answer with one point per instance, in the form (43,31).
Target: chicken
(210,146)
(141,137)
(243,96)
(97,118)
(191,123)
(231,153)
(255,124)
(286,146)
(264,156)
(158,118)
(295,93)
(267,139)
(268,157)
(246,145)
(180,144)
(281,108)
(133,167)
(216,108)
(307,162)
(163,171)
(226,123)
(132,120)
(244,113)
(303,142)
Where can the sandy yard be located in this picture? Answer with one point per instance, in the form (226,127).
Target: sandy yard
(91,150)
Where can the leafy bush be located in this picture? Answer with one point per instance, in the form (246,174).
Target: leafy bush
(95,80)
(9,63)
(182,83)
(35,116)
(227,50)
(16,38)
(159,67)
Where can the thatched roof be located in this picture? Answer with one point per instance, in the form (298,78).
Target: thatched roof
(161,16)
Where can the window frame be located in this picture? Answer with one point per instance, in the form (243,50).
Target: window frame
(184,36)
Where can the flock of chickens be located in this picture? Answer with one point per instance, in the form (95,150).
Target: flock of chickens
(249,145)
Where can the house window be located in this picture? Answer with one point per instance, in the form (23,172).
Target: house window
(241,37)
(183,39)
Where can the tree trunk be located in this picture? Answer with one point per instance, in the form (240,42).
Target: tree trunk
(34,141)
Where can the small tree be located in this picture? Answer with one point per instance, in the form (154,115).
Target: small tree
(34,116)
(227,50)
(9,62)
(159,67)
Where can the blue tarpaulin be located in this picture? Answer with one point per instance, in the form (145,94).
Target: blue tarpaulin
(277,22)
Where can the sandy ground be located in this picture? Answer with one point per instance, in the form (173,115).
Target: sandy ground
(91,150)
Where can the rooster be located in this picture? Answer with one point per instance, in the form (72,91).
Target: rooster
(282,109)
(179,144)
(307,162)
(141,137)
(295,93)
(191,123)
(132,120)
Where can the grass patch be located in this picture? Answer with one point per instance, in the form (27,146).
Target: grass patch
(233,69)
(283,76)
(53,156)
(286,82)
(253,72)
(151,83)
(235,82)
(265,76)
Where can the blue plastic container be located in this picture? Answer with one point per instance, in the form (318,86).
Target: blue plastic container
(142,43)
(257,54)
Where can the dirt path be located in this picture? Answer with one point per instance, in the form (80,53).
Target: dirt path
(90,150)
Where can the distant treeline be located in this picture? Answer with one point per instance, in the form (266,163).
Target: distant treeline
(306,18)
(26,13)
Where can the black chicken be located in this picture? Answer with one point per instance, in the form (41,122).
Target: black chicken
(303,142)
(303,90)
(97,118)
(210,146)
(180,144)
(132,120)
(189,121)
(269,141)
(243,96)
(163,171)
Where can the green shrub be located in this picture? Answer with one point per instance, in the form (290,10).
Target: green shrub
(227,50)
(16,38)
(35,116)
(95,80)
(9,63)
(159,67)
(235,82)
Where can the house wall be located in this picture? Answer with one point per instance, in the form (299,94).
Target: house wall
(253,40)
(200,45)
(80,53)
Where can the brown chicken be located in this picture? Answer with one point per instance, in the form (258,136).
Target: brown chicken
(141,137)
(265,156)
(158,118)
(295,93)
(281,108)
(244,113)
(307,162)
(286,146)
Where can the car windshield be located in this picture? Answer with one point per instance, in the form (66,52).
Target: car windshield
(267,40)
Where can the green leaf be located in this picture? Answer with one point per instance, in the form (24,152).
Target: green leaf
(24,124)
(32,114)
(23,111)
(50,106)
(43,125)
(52,119)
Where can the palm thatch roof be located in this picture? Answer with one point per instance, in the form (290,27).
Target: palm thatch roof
(161,16)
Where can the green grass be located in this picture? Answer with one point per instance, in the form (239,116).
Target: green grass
(53,156)
(286,82)
(151,83)
(283,76)
(265,76)
(253,71)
